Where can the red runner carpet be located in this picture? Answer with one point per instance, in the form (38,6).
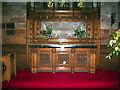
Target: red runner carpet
(101,79)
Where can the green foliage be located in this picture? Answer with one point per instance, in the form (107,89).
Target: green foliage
(114,44)
(81,4)
(79,33)
(63,3)
(50,4)
(46,33)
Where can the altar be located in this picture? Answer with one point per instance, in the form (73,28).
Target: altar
(63,40)
(66,58)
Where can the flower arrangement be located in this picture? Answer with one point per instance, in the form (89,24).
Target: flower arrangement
(79,33)
(46,32)
(114,43)
(63,4)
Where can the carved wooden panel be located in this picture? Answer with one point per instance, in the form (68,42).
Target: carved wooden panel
(44,58)
(81,59)
(90,30)
(63,59)
(56,59)
(34,25)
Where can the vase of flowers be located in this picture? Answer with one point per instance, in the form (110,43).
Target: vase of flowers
(79,33)
(46,32)
(114,44)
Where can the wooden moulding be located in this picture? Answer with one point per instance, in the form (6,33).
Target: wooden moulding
(34,57)
(64,40)
(48,14)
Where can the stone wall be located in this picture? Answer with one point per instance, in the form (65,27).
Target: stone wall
(14,31)
(107,10)
(119,13)
(14,23)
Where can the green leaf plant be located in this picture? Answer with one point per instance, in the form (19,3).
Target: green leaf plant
(63,3)
(79,33)
(46,32)
(114,44)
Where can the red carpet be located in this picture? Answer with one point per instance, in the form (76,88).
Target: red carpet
(101,79)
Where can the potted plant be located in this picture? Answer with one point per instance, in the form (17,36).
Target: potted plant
(79,33)
(46,32)
(114,44)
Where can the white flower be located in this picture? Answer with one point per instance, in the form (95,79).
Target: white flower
(116,48)
(111,42)
(108,57)
(45,27)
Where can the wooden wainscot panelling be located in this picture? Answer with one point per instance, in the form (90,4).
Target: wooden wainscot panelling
(108,64)
(21,61)
(20,50)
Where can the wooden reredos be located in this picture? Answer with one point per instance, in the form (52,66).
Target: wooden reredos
(90,17)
